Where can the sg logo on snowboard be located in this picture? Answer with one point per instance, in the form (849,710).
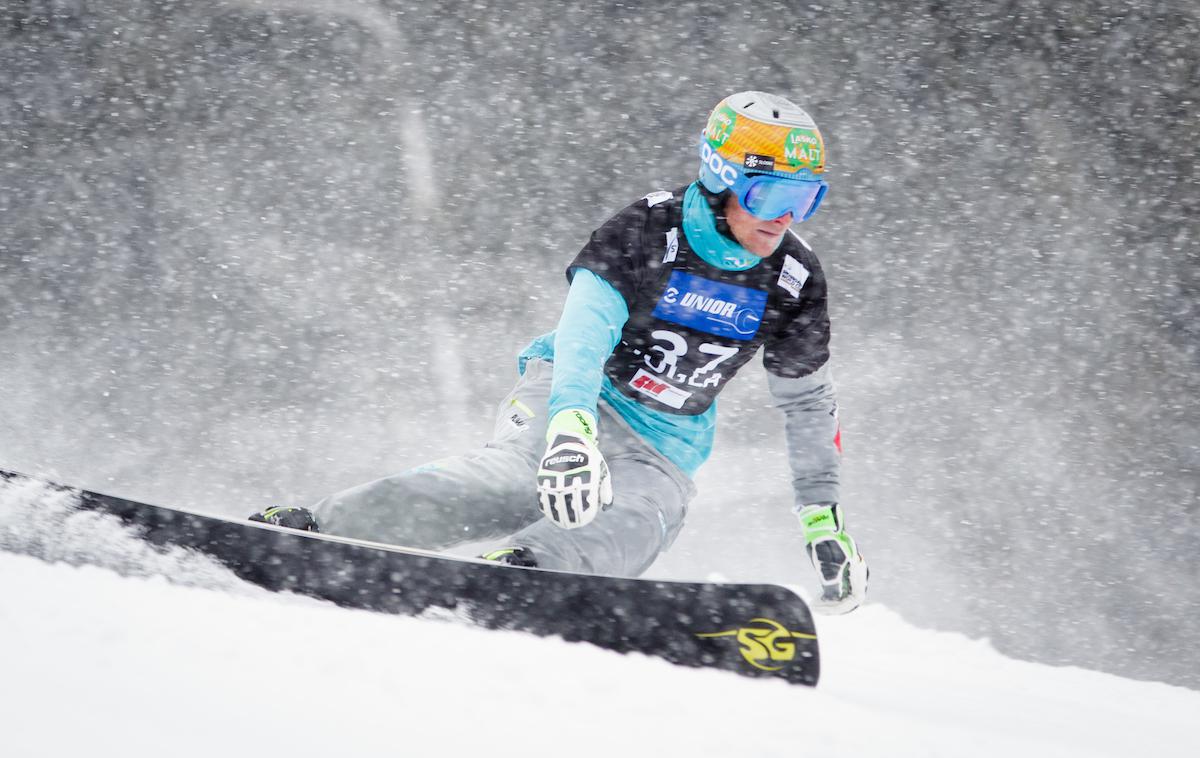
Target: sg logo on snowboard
(766,644)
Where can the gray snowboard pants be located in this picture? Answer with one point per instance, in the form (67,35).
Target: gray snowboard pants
(491,493)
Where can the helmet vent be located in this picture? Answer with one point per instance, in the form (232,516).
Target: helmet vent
(776,112)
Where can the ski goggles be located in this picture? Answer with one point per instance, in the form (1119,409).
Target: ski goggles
(765,196)
(769,197)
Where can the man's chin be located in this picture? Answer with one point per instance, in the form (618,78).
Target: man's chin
(766,245)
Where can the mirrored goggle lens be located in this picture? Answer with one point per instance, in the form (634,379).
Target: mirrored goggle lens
(769,197)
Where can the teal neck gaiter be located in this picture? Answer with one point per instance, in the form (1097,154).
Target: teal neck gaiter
(714,248)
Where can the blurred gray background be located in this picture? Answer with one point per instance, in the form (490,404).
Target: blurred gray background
(252,252)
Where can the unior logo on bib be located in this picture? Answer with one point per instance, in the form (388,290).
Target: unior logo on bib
(725,310)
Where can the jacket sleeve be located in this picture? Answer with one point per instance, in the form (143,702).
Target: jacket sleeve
(616,252)
(809,405)
(798,373)
(588,330)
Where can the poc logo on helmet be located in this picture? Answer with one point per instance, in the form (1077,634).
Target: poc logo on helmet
(717,164)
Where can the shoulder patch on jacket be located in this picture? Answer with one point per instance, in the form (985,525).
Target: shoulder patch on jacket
(793,276)
(672,245)
(654,198)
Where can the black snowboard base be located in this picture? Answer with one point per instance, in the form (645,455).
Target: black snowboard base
(761,630)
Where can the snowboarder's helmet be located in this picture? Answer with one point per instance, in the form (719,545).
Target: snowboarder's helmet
(753,134)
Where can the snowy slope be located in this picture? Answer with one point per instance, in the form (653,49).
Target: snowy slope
(119,661)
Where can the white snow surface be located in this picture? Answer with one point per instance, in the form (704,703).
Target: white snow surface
(117,659)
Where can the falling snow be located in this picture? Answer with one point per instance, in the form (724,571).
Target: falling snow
(255,251)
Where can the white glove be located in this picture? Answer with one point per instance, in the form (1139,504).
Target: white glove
(840,568)
(573,483)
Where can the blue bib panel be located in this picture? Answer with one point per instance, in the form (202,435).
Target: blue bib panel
(726,310)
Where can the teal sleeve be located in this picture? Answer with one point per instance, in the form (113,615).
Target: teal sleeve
(588,330)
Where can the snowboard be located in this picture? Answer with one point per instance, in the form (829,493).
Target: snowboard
(761,630)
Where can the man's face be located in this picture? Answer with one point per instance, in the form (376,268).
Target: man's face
(760,237)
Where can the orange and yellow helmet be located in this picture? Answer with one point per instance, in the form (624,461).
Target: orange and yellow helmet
(756,134)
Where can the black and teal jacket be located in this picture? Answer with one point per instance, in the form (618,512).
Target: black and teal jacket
(664,310)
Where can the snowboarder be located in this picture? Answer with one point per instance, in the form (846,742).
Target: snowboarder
(591,462)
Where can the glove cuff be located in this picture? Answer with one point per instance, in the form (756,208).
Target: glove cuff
(819,521)
(573,421)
